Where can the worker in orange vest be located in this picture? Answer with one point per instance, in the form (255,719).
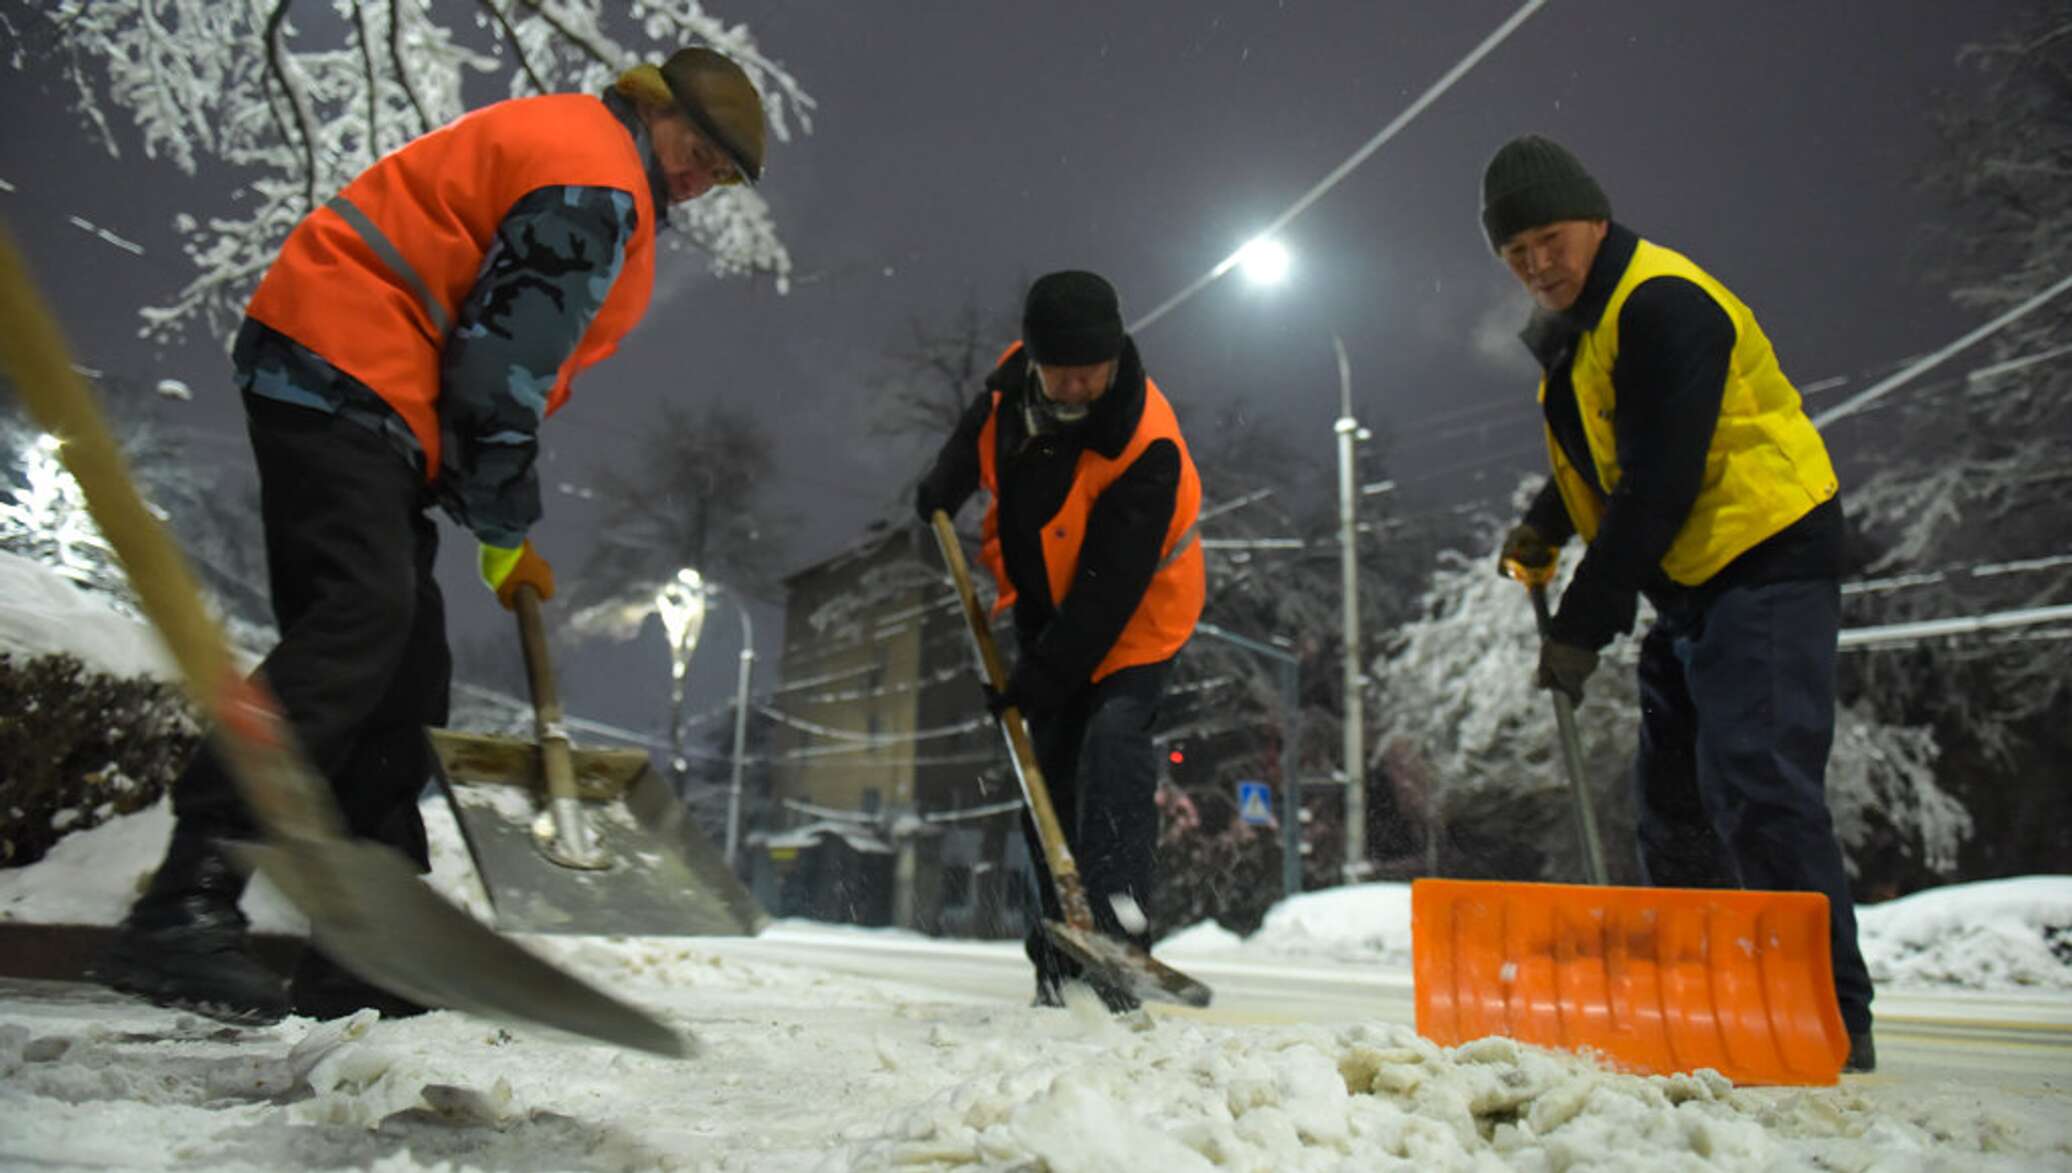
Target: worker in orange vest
(399,353)
(1090,533)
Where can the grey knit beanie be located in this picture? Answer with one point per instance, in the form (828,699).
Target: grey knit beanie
(1533,181)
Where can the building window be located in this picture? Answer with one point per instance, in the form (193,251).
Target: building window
(871,800)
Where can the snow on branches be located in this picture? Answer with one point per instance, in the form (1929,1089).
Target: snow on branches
(302,98)
(1459,696)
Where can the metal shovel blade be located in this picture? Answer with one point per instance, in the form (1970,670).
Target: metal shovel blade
(431,952)
(1128,966)
(659,876)
(1656,980)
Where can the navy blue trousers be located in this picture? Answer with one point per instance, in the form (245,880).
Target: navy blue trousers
(1102,771)
(1737,702)
(362,665)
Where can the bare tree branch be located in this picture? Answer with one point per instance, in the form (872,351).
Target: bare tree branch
(395,39)
(517,50)
(278,70)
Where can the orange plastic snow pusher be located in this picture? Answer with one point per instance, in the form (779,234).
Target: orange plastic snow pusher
(1656,980)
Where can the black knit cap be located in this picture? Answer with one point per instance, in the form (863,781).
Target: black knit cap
(1072,319)
(1533,181)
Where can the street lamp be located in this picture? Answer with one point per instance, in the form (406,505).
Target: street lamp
(681,603)
(1265,262)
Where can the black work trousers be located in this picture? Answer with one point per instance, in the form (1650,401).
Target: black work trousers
(1737,702)
(362,664)
(1097,758)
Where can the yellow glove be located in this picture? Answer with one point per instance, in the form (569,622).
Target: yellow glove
(504,570)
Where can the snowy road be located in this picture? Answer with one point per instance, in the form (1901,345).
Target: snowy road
(2004,1040)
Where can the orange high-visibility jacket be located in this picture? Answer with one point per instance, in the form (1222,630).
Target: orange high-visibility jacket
(1172,604)
(372,280)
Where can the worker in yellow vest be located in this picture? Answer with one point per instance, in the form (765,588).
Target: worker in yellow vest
(1089,531)
(401,352)
(1682,457)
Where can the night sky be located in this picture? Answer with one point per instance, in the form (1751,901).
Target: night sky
(961,146)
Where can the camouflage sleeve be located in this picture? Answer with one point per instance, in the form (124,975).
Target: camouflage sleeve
(546,274)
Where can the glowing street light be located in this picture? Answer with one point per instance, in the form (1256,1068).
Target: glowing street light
(1264,260)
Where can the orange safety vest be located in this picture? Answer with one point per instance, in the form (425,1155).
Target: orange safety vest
(1165,617)
(372,280)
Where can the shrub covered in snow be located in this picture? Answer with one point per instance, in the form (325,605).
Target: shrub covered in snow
(78,747)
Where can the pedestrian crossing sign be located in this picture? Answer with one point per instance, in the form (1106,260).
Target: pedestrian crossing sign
(1255,803)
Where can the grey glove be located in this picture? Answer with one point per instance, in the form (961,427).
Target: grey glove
(1565,667)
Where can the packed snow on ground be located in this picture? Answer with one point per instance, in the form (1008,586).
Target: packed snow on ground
(801,1068)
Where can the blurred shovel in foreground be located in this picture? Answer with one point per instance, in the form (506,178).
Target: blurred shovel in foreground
(1119,962)
(366,905)
(1656,980)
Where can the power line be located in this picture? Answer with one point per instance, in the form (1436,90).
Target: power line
(1352,161)
(1868,395)
(1926,629)
(1979,570)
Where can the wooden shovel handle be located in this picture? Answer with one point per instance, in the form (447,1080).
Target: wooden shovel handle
(1064,870)
(556,761)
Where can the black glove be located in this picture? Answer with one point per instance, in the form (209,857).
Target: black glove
(926,503)
(1565,667)
(996,701)
(1032,687)
(1525,546)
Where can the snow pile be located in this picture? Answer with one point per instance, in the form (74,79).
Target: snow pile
(90,877)
(1362,923)
(42,614)
(1994,935)
(1178,1096)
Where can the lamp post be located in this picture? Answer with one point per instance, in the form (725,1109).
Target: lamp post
(681,603)
(740,727)
(1265,262)
(1348,430)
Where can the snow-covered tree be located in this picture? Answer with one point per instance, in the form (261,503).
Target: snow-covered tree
(1980,476)
(300,98)
(43,515)
(1459,700)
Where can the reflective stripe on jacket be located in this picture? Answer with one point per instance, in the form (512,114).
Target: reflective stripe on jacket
(1766,466)
(1172,603)
(372,280)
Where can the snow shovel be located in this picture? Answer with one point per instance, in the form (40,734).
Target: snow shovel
(1118,962)
(582,841)
(1656,980)
(366,906)
(1571,743)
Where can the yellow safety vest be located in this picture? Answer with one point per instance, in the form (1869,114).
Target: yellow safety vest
(1766,467)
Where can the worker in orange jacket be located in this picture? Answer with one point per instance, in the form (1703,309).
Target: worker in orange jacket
(1090,534)
(399,353)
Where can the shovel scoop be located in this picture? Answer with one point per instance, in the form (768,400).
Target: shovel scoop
(573,840)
